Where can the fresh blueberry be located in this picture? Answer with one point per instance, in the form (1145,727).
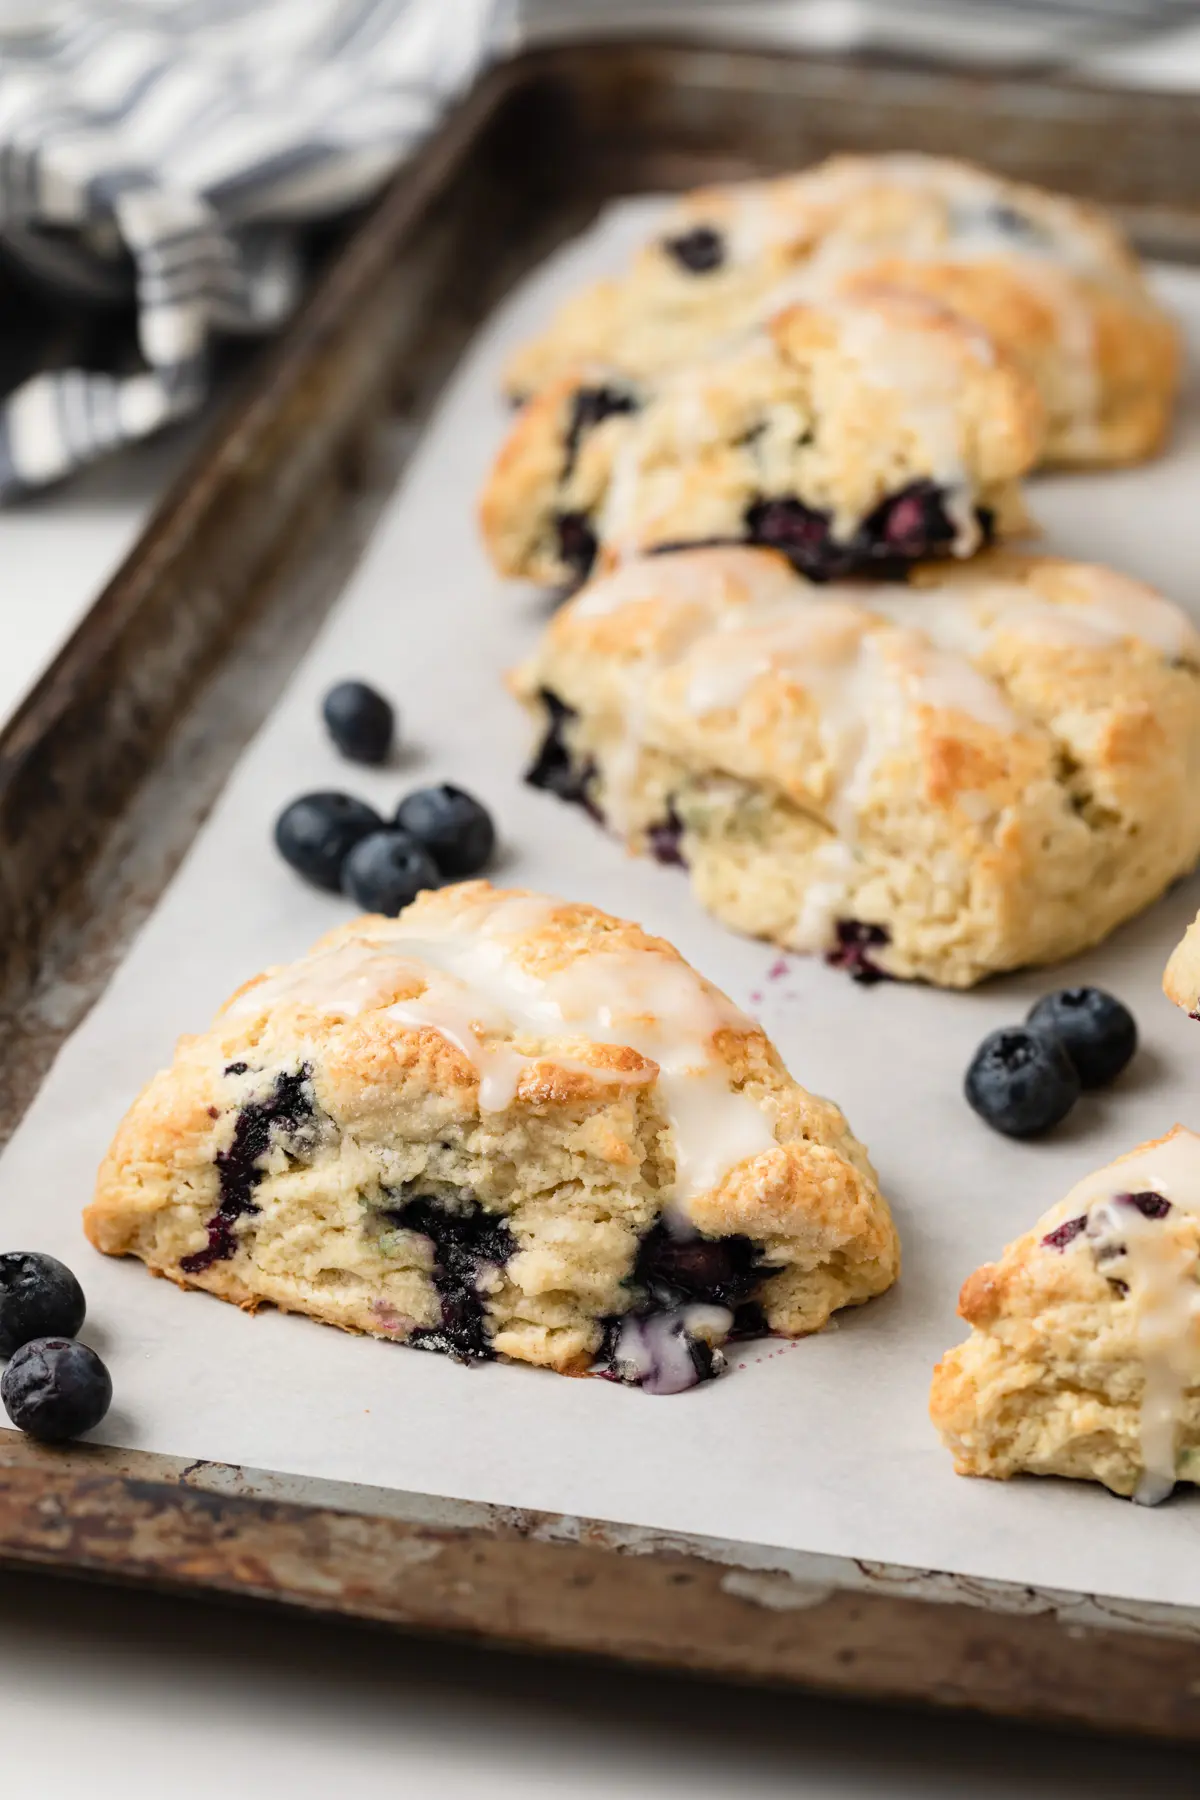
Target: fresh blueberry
(55,1388)
(387,870)
(39,1297)
(455,829)
(1098,1033)
(1022,1081)
(316,833)
(360,721)
(699,251)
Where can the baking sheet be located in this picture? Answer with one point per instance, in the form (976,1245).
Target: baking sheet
(822,1445)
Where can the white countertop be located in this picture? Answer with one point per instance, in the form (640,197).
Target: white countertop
(106,1695)
(59,548)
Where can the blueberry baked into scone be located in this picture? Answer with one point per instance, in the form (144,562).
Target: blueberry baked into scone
(990,765)
(500,1125)
(860,435)
(1084,1353)
(1050,279)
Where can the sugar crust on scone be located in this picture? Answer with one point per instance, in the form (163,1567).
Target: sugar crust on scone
(499,1125)
(861,432)
(988,766)
(1051,279)
(1084,1353)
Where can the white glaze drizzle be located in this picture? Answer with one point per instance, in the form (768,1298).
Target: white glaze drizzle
(479,997)
(816,212)
(759,215)
(1160,1271)
(1101,608)
(915,365)
(735,615)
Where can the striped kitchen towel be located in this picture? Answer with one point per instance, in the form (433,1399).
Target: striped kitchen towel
(162,151)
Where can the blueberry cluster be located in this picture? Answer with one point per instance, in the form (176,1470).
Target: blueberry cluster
(54,1387)
(1024,1079)
(338,842)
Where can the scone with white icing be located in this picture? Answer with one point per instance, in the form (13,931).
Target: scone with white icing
(861,435)
(500,1125)
(1084,1353)
(1181,979)
(987,766)
(1051,279)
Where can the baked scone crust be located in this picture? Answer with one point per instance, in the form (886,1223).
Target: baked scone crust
(988,766)
(1051,279)
(857,434)
(281,1156)
(1181,978)
(1084,1353)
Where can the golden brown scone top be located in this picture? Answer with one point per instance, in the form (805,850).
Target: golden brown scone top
(843,405)
(1181,978)
(1050,279)
(996,666)
(481,1003)
(1084,1354)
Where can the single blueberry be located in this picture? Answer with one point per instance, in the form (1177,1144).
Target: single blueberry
(699,251)
(1098,1033)
(39,1297)
(1021,1081)
(453,826)
(387,870)
(316,833)
(360,721)
(55,1388)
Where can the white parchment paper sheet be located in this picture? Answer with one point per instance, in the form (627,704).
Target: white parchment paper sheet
(822,1445)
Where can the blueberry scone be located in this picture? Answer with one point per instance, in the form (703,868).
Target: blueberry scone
(860,435)
(500,1125)
(989,765)
(1049,278)
(1084,1353)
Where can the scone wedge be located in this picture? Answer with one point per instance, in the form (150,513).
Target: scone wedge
(500,1126)
(1084,1353)
(1050,279)
(857,436)
(986,766)
(1181,978)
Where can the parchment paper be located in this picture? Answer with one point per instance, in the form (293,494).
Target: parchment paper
(822,1445)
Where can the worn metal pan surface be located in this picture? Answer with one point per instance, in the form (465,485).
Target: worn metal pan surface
(112,761)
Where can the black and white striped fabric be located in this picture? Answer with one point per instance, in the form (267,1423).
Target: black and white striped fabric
(159,153)
(165,149)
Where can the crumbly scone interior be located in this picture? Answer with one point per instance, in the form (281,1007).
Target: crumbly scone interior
(1084,1353)
(500,1125)
(1049,278)
(868,431)
(936,779)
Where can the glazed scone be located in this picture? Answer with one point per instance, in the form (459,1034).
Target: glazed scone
(988,766)
(1051,279)
(1084,1353)
(1181,979)
(500,1125)
(860,435)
